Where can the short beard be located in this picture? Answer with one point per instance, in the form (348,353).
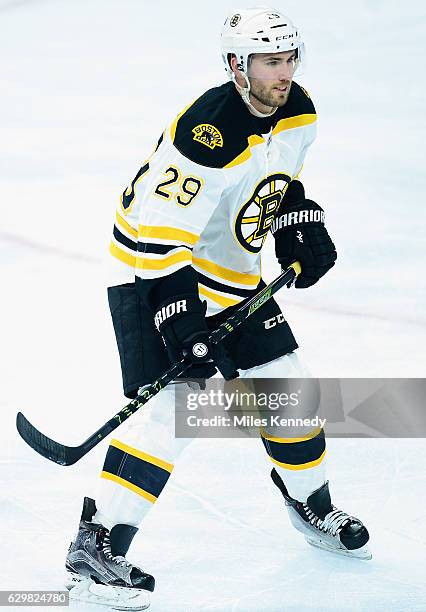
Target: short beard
(267,98)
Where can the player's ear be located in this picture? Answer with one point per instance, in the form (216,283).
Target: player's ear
(232,60)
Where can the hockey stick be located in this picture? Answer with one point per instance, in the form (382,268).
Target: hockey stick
(68,455)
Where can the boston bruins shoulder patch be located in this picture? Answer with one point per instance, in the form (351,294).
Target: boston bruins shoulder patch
(208,135)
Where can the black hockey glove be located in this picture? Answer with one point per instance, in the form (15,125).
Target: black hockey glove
(181,322)
(300,235)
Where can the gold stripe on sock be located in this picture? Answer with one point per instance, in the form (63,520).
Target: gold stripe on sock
(300,466)
(130,486)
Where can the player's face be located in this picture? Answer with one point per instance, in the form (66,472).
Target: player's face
(270,76)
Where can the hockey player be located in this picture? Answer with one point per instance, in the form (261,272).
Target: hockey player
(186,251)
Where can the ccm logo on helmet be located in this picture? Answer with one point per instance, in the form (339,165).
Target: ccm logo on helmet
(286,37)
(168,311)
(274,321)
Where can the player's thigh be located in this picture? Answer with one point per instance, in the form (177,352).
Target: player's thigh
(288,392)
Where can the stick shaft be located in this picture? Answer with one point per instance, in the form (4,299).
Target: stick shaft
(67,455)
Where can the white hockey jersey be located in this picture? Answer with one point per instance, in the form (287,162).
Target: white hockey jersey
(208,194)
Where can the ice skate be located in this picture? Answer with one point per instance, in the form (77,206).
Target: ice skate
(97,570)
(325,526)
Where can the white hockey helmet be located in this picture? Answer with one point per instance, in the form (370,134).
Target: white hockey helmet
(258,30)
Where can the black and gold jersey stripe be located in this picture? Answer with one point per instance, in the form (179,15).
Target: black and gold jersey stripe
(158,249)
(222,287)
(124,240)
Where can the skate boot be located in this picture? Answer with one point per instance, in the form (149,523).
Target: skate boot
(97,570)
(323,525)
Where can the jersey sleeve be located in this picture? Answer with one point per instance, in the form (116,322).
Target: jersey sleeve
(175,204)
(166,208)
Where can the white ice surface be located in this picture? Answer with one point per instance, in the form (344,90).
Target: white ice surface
(88,86)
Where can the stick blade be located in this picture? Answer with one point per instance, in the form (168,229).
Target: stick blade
(44,446)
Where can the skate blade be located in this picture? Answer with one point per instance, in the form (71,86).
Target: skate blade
(83,589)
(359,553)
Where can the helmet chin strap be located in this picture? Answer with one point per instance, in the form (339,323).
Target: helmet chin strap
(245,94)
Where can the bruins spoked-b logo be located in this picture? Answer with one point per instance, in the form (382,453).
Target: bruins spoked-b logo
(208,135)
(235,20)
(256,215)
